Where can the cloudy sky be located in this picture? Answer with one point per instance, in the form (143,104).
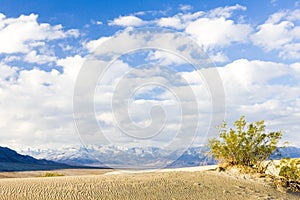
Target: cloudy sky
(148,96)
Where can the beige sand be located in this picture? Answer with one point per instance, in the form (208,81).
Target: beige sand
(66,172)
(180,184)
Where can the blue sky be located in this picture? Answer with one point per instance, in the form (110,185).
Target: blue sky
(254,45)
(84,16)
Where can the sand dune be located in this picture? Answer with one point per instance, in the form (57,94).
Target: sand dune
(191,183)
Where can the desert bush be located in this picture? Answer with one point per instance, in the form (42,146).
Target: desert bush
(246,144)
(50,174)
(289,172)
(290,168)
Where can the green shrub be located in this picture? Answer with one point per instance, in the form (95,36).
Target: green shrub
(290,169)
(289,175)
(247,144)
(50,174)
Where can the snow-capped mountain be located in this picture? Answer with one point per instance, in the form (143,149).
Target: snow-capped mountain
(10,160)
(120,157)
(137,157)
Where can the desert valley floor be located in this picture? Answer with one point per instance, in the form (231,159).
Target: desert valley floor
(108,184)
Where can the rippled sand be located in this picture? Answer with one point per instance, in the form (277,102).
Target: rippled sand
(151,185)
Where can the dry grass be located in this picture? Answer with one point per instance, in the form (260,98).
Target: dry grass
(50,174)
(167,185)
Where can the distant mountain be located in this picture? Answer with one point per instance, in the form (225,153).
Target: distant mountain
(10,160)
(194,156)
(115,156)
(287,152)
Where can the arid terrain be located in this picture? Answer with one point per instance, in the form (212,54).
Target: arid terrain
(102,184)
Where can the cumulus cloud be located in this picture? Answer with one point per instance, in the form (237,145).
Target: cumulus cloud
(203,26)
(165,58)
(218,32)
(144,89)
(226,11)
(16,34)
(296,68)
(37,110)
(273,36)
(127,21)
(37,100)
(255,88)
(264,90)
(93,44)
(245,72)
(280,32)
(7,74)
(219,57)
(36,104)
(174,22)
(211,29)
(130,95)
(33,57)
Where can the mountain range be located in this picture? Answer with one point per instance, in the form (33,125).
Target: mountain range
(122,157)
(10,160)
(111,156)
(114,156)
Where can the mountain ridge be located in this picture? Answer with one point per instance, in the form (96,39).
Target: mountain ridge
(116,156)
(10,160)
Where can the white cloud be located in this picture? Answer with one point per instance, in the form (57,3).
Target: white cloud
(296,68)
(33,57)
(274,2)
(218,32)
(226,11)
(214,30)
(185,7)
(99,22)
(16,34)
(10,58)
(36,114)
(38,105)
(219,57)
(280,32)
(211,29)
(95,22)
(189,17)
(258,90)
(93,44)
(174,22)
(203,26)
(273,36)
(117,88)
(246,76)
(276,17)
(7,74)
(291,51)
(165,58)
(127,21)
(71,66)
(126,78)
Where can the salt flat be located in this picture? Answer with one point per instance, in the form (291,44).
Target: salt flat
(184,169)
